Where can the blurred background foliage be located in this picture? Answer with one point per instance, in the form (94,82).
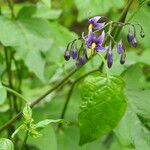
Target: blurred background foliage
(38,38)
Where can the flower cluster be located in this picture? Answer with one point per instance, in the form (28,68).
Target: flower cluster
(99,35)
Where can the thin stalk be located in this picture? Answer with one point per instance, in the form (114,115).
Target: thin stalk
(11,7)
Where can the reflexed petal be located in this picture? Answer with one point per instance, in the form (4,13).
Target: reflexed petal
(100,48)
(94,19)
(101,38)
(98,26)
(90,38)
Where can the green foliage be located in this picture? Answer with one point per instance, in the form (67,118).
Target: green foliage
(35,40)
(96,7)
(6,144)
(3,94)
(102,107)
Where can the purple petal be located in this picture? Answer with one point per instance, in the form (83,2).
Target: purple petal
(94,19)
(74,53)
(98,26)
(120,48)
(100,48)
(101,38)
(130,37)
(90,38)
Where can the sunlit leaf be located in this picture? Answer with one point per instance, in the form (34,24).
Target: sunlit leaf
(102,107)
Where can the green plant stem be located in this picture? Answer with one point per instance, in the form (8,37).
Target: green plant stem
(8,68)
(24,141)
(15,93)
(70,93)
(5,126)
(11,6)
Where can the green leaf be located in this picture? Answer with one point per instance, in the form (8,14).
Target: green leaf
(36,63)
(31,36)
(47,141)
(44,12)
(139,101)
(102,107)
(46,122)
(27,112)
(3,94)
(132,77)
(6,144)
(97,7)
(131,133)
(47,3)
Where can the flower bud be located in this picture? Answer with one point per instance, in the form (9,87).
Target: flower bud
(81,61)
(130,37)
(142,34)
(120,47)
(109,59)
(74,53)
(122,58)
(134,42)
(67,55)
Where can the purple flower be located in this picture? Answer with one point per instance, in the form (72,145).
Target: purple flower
(95,43)
(120,47)
(74,53)
(67,55)
(109,59)
(81,61)
(94,23)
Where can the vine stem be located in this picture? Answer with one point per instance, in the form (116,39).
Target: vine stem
(70,93)
(5,126)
